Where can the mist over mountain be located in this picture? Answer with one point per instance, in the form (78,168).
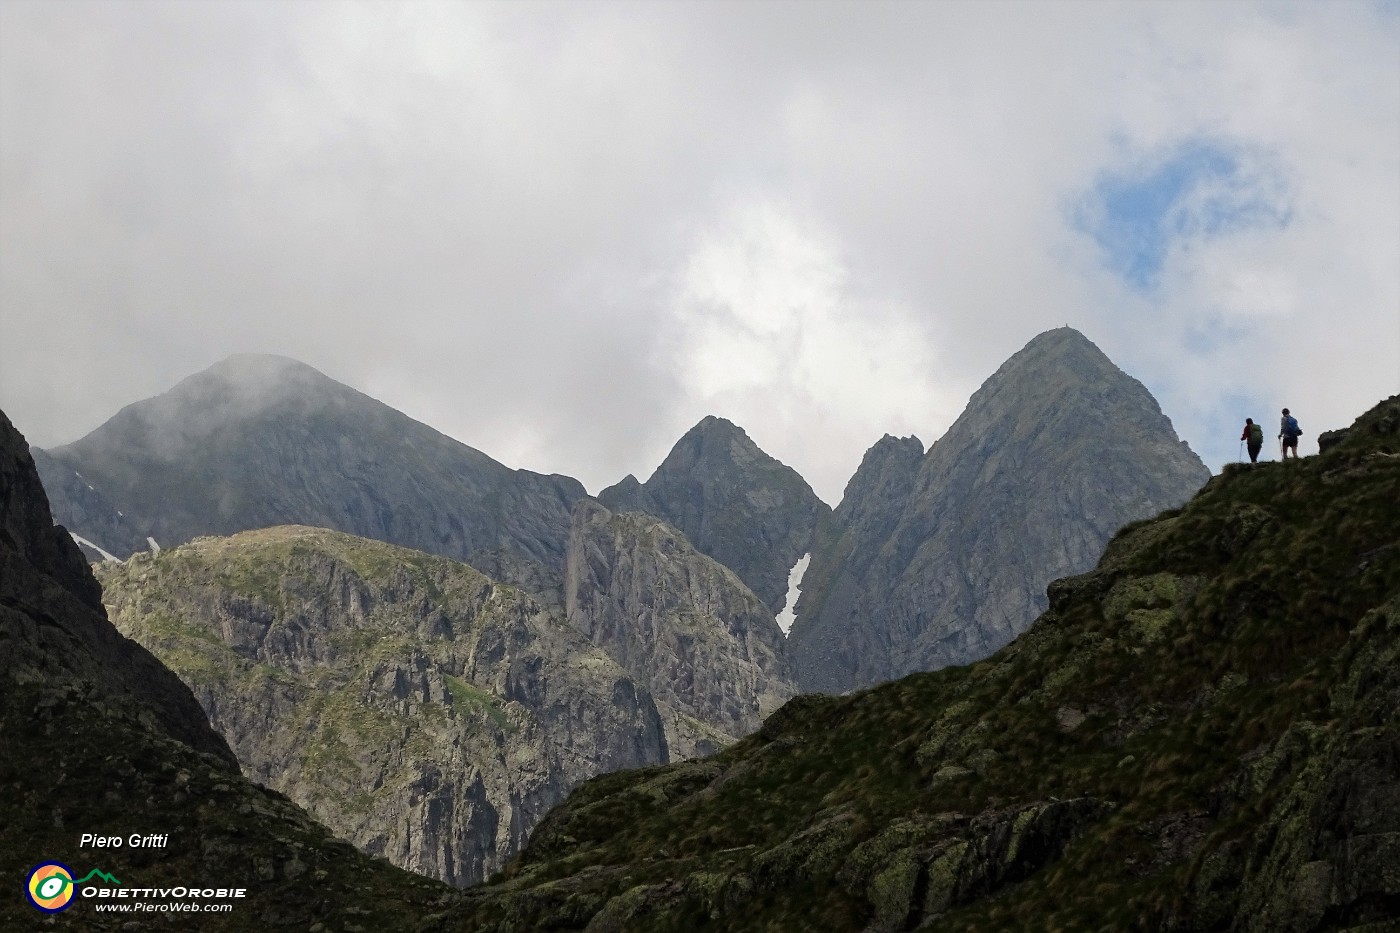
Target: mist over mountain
(257,441)
(734,502)
(942,557)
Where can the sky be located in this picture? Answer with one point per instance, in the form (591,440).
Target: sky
(563,233)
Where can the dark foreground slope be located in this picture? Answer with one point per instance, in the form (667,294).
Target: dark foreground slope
(1200,734)
(97,737)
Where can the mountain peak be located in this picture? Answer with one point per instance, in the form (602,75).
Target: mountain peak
(942,559)
(244,367)
(733,501)
(252,379)
(714,423)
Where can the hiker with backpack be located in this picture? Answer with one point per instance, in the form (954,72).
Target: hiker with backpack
(1288,434)
(1253,435)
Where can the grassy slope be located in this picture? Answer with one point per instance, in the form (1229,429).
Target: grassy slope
(1190,731)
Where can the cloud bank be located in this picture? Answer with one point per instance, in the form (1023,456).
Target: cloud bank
(563,233)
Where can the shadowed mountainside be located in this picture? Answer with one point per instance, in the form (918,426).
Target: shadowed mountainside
(1199,734)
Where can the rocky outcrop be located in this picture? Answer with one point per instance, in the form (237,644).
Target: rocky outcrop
(257,441)
(942,558)
(96,736)
(681,623)
(733,502)
(420,710)
(1200,734)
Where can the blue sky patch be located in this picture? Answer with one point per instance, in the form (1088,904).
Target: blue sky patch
(1198,191)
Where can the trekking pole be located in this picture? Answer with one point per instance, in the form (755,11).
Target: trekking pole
(1240,458)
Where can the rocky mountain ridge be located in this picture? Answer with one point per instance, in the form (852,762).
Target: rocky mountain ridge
(941,557)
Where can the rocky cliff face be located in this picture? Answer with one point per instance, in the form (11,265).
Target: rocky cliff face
(96,736)
(942,559)
(257,441)
(1199,734)
(681,623)
(733,502)
(420,710)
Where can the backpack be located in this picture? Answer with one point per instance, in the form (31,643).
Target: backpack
(1291,429)
(1256,434)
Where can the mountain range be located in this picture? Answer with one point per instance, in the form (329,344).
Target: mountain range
(320,582)
(930,558)
(1199,733)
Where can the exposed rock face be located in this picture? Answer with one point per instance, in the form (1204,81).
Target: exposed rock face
(733,502)
(97,736)
(257,441)
(82,506)
(683,624)
(415,707)
(1199,734)
(943,559)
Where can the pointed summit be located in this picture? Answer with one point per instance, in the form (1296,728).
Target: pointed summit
(734,502)
(945,560)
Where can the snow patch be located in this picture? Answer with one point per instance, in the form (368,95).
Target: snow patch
(112,558)
(789,613)
(155,548)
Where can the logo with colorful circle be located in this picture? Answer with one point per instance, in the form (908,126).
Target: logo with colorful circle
(50,887)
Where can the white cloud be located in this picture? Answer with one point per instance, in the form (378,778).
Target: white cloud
(769,332)
(565,232)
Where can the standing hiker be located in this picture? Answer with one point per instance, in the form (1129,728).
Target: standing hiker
(1253,435)
(1288,433)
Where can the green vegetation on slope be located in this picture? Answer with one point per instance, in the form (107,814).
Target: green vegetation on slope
(412,705)
(1200,734)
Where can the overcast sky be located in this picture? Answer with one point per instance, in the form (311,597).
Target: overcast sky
(563,233)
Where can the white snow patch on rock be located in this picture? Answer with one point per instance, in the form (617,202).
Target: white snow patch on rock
(789,613)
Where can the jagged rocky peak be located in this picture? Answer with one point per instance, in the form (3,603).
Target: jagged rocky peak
(885,475)
(734,502)
(943,561)
(681,623)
